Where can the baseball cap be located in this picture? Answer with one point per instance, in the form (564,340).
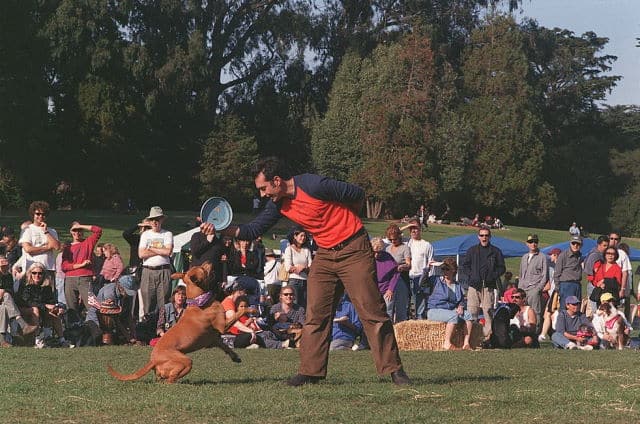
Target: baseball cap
(571,300)
(555,251)
(576,239)
(606,297)
(532,238)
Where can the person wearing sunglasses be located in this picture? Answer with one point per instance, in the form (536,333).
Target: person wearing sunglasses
(481,267)
(37,302)
(39,241)
(534,274)
(568,272)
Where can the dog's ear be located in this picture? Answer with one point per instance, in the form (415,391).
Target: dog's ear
(207,267)
(177,275)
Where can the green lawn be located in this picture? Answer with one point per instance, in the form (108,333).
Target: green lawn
(545,385)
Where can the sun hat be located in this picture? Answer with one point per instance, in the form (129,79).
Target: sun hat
(155,212)
(606,297)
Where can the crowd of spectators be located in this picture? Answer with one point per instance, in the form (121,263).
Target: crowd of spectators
(81,293)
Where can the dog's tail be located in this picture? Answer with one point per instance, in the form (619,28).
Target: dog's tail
(136,375)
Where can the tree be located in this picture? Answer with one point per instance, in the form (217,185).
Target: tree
(506,168)
(227,156)
(395,136)
(335,146)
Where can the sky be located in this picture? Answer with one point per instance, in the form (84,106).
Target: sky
(618,20)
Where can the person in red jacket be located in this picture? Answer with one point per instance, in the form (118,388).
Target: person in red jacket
(327,209)
(76,264)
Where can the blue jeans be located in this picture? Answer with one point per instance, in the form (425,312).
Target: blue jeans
(420,298)
(300,289)
(559,340)
(569,288)
(402,295)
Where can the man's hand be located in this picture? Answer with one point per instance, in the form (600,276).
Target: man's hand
(388,295)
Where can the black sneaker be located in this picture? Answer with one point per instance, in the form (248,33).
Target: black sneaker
(301,379)
(400,378)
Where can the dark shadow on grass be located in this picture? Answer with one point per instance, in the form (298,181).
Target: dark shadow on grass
(462,379)
(233,381)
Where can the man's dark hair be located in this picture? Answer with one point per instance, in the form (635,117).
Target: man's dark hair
(271,167)
(522,293)
(38,204)
(616,232)
(603,239)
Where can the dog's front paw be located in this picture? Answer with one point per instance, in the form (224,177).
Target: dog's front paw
(236,358)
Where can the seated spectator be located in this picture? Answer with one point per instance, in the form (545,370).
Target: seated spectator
(286,314)
(105,315)
(510,287)
(37,303)
(524,323)
(387,273)
(169,315)
(112,266)
(476,220)
(431,219)
(248,320)
(447,303)
(8,308)
(11,247)
(568,324)
(346,325)
(611,326)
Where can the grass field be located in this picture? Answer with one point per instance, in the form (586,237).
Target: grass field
(548,386)
(545,385)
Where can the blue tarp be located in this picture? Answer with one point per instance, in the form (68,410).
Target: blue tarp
(587,246)
(458,246)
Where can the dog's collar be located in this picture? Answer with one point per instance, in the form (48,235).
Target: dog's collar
(201,300)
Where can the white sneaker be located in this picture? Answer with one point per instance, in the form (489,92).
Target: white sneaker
(253,346)
(39,343)
(542,338)
(585,347)
(571,346)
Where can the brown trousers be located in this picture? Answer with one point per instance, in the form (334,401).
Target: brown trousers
(351,269)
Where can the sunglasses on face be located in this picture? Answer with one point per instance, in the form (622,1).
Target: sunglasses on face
(516,297)
(575,243)
(287,294)
(36,273)
(533,241)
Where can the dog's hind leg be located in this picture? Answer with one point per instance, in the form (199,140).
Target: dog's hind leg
(179,368)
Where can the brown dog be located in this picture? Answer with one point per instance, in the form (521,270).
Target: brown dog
(199,327)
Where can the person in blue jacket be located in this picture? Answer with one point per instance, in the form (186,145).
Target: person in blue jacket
(346,325)
(447,304)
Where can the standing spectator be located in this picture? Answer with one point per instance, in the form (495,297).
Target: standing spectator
(256,205)
(155,249)
(482,266)
(77,266)
(422,217)
(596,256)
(568,272)
(402,255)
(132,237)
(97,259)
(39,242)
(533,275)
(297,260)
(553,303)
(271,280)
(608,276)
(421,258)
(387,273)
(243,260)
(60,275)
(329,209)
(569,322)
(574,231)
(626,268)
(11,246)
(206,246)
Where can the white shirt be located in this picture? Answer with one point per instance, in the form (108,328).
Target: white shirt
(625,265)
(161,240)
(36,236)
(421,254)
(271,268)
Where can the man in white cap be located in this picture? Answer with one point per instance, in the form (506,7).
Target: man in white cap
(155,250)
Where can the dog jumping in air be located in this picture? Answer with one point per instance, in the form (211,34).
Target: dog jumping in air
(201,325)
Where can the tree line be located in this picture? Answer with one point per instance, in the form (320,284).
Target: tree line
(450,103)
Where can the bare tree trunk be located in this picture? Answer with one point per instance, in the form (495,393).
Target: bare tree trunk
(374,208)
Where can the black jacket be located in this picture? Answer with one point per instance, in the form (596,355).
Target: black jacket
(470,267)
